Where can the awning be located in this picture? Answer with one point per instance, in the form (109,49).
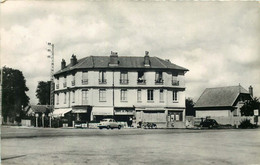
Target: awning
(102,111)
(61,112)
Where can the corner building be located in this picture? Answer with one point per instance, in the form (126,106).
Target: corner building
(146,89)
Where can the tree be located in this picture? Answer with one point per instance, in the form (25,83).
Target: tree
(13,94)
(43,92)
(189,107)
(250,105)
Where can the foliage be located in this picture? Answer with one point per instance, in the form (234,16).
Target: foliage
(189,107)
(248,108)
(13,94)
(43,92)
(246,124)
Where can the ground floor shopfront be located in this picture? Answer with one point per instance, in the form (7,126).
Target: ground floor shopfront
(132,116)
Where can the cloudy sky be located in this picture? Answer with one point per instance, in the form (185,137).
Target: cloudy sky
(217,41)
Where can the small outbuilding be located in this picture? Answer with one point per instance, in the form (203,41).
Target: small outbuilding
(222,101)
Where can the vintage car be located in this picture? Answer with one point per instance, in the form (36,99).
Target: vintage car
(209,123)
(109,124)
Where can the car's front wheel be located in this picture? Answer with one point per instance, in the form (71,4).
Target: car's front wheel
(108,127)
(119,127)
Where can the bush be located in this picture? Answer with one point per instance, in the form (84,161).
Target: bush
(244,124)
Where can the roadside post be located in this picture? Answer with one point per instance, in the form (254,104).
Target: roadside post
(50,115)
(256,113)
(43,120)
(36,118)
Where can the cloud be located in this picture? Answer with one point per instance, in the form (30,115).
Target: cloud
(216,41)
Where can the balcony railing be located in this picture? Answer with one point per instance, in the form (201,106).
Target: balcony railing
(141,81)
(64,85)
(124,81)
(175,82)
(84,82)
(73,83)
(159,81)
(57,86)
(102,81)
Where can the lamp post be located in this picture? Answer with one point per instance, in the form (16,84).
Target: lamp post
(36,118)
(43,120)
(52,72)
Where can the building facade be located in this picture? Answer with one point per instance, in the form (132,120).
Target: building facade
(146,89)
(222,101)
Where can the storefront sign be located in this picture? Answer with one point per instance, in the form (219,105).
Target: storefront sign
(79,111)
(124,112)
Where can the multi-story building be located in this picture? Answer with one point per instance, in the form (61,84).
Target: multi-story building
(147,89)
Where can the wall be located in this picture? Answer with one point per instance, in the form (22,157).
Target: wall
(213,113)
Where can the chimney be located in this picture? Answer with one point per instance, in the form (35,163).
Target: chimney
(113,59)
(73,60)
(146,59)
(251,90)
(63,64)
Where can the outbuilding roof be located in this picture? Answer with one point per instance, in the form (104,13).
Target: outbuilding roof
(220,96)
(37,109)
(102,62)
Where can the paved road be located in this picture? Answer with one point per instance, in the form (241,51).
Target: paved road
(129,146)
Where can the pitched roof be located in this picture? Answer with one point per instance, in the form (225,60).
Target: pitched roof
(124,62)
(37,109)
(220,96)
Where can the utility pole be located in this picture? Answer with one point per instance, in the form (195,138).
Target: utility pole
(52,73)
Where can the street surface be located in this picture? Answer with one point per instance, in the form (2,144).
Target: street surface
(129,146)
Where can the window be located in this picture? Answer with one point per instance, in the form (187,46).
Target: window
(102,77)
(174,95)
(123,95)
(84,97)
(65,97)
(73,96)
(73,80)
(150,95)
(161,95)
(139,95)
(65,82)
(175,79)
(123,78)
(84,77)
(57,99)
(158,77)
(140,78)
(58,82)
(102,95)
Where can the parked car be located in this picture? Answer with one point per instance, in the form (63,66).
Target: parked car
(209,123)
(149,125)
(109,124)
(81,124)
